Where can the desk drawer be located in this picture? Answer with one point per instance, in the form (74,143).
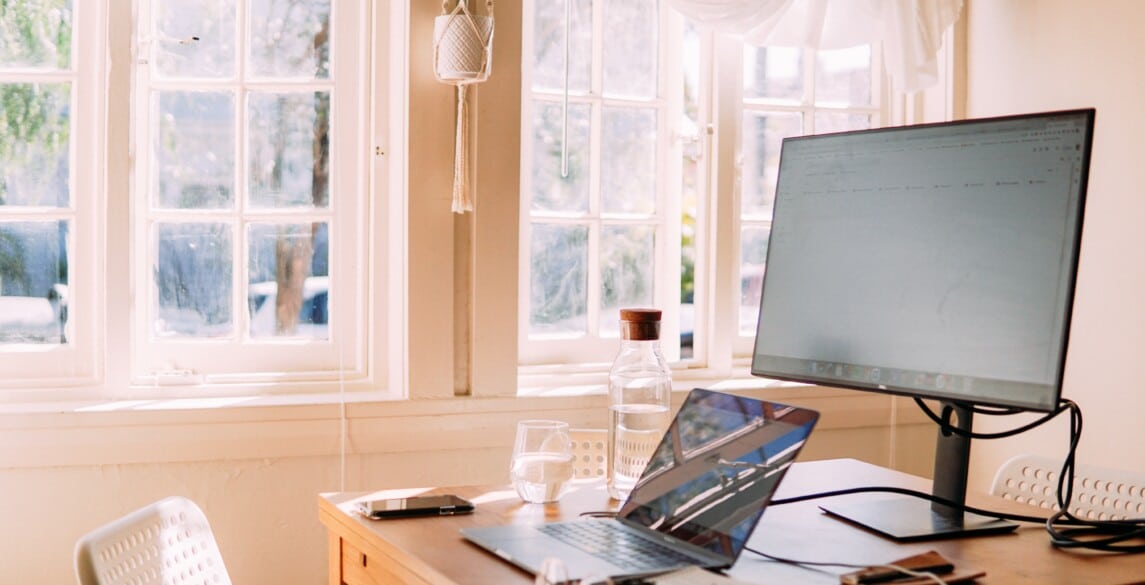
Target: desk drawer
(359,568)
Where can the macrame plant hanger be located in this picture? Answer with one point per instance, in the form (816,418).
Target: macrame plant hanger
(462,55)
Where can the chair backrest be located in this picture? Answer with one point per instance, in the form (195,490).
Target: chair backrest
(1098,493)
(168,542)
(589,452)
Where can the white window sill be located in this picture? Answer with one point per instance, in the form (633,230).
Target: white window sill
(141,431)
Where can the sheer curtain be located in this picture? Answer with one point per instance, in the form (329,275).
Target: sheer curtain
(910,30)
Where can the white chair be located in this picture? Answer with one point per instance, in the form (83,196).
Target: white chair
(590,454)
(168,542)
(1098,493)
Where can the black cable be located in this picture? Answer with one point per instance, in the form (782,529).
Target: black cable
(1082,533)
(1111,536)
(1066,530)
(944,423)
(814,565)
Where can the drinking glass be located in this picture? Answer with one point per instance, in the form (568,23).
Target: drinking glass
(542,460)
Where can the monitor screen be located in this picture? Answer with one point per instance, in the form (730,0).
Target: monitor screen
(935,260)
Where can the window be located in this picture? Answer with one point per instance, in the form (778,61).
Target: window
(790,92)
(216,229)
(624,199)
(603,226)
(49,125)
(247,188)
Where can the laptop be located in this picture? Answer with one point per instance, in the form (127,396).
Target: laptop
(696,503)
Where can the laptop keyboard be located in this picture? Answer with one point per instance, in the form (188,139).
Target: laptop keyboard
(605,541)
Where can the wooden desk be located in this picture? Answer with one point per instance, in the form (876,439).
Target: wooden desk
(431,550)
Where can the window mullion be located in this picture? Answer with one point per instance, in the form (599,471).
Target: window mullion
(596,87)
(706,191)
(595,222)
(670,110)
(724,225)
(596,203)
(240,252)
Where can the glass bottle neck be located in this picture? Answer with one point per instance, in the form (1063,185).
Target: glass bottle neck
(639,343)
(630,348)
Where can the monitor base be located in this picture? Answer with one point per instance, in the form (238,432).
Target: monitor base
(912,519)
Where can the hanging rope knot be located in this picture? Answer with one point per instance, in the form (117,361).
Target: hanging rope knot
(462,55)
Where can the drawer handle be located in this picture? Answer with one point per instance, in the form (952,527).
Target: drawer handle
(363,559)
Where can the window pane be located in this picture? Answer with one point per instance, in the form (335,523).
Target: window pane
(628,160)
(763,136)
(289,280)
(194,150)
(33,282)
(773,72)
(193,280)
(840,121)
(290,39)
(627,274)
(34,134)
(630,48)
(175,51)
(289,144)
(36,35)
(558,299)
(843,76)
(753,255)
(551,191)
(549,46)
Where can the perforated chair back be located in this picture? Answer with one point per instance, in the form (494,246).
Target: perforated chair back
(1098,493)
(590,452)
(168,542)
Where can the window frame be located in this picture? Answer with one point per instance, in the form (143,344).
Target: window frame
(222,362)
(74,363)
(592,346)
(100,366)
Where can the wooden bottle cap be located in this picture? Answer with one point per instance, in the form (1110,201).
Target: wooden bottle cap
(640,324)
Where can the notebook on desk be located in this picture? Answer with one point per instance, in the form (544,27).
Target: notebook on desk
(697,502)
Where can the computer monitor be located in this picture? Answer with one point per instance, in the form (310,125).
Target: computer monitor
(935,261)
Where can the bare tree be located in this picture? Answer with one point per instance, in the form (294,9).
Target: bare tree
(294,253)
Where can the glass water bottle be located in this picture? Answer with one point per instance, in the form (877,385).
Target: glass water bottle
(639,391)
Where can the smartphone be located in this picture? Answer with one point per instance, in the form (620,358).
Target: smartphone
(444,505)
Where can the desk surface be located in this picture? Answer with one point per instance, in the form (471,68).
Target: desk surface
(431,550)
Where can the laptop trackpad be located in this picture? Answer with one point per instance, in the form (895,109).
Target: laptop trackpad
(527,548)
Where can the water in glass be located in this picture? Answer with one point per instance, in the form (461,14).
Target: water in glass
(542,460)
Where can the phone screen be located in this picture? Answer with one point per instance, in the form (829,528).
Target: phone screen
(443,505)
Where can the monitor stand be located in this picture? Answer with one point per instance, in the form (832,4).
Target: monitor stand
(907,519)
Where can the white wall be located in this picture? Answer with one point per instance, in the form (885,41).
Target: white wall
(1032,55)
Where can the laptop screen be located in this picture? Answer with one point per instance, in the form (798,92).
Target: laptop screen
(716,469)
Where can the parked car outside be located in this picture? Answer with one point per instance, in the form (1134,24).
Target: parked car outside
(313,315)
